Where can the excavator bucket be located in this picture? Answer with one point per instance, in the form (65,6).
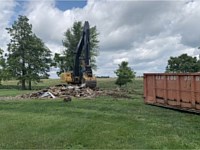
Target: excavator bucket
(91,83)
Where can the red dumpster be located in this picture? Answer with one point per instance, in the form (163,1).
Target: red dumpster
(178,91)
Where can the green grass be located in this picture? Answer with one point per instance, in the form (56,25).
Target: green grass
(10,88)
(12,84)
(12,92)
(103,123)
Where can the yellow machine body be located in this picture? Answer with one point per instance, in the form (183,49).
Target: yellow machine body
(67,77)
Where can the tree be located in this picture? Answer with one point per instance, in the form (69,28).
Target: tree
(183,64)
(38,60)
(3,72)
(124,74)
(28,57)
(65,61)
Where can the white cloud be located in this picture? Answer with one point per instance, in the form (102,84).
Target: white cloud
(6,12)
(145,33)
(187,24)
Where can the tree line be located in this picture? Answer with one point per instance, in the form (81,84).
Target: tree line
(183,64)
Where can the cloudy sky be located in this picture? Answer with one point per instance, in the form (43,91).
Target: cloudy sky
(144,33)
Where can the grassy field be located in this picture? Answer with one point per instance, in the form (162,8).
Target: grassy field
(103,123)
(10,88)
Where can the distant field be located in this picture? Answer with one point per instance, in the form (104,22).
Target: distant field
(101,123)
(44,83)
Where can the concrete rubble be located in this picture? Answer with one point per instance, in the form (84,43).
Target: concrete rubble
(63,91)
(67,92)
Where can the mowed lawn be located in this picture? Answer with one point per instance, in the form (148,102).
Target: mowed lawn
(101,123)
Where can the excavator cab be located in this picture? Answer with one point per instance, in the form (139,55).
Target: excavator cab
(67,77)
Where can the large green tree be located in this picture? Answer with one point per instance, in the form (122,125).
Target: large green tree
(65,60)
(28,57)
(183,64)
(38,60)
(124,74)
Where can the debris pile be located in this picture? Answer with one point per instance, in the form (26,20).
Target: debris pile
(63,91)
(68,91)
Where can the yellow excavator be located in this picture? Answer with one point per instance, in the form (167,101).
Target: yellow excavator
(82,71)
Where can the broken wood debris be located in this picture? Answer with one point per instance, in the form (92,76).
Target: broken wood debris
(68,91)
(63,91)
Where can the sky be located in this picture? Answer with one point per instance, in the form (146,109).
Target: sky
(144,33)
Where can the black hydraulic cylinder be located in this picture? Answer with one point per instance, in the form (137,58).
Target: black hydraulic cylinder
(87,43)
